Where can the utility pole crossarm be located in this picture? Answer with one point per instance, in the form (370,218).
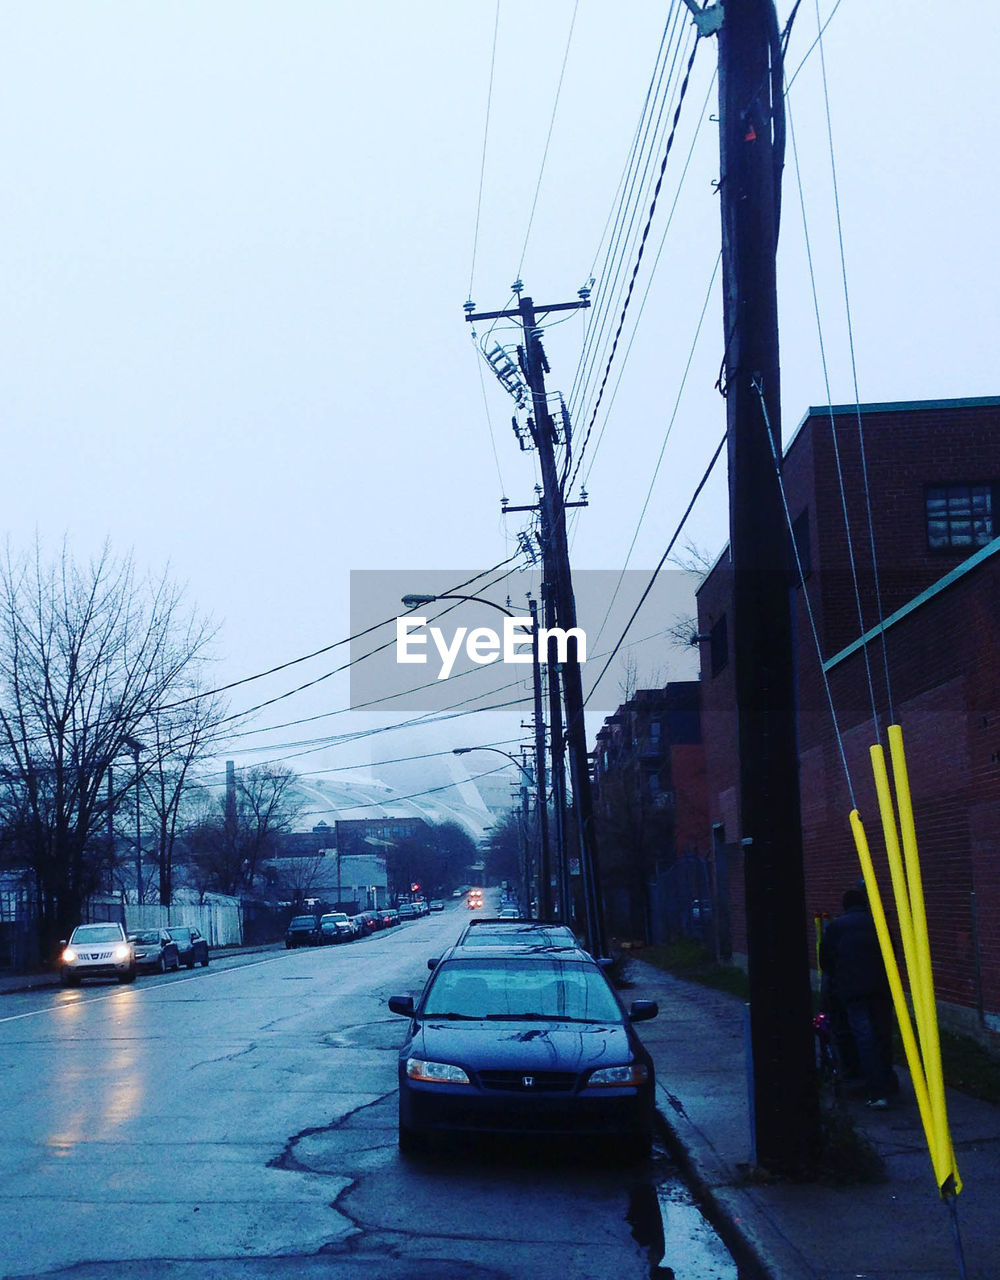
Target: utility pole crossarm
(515,313)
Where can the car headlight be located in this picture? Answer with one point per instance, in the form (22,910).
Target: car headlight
(435,1072)
(634,1073)
(122,952)
(69,956)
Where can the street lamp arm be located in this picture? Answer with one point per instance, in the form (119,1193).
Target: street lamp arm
(463,751)
(414,601)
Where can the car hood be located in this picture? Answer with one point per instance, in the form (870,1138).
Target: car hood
(537,1046)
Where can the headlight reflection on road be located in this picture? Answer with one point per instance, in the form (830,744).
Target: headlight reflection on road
(104,1089)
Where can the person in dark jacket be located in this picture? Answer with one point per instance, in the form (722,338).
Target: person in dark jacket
(855,986)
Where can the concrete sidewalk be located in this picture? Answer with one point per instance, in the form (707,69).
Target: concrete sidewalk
(898,1228)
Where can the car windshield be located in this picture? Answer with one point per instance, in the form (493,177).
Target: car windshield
(302,922)
(181,935)
(535,989)
(97,933)
(334,918)
(149,937)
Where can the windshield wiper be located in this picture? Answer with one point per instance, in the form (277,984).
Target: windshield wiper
(533,1017)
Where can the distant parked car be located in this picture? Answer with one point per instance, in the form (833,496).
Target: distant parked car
(192,946)
(335,927)
(436,905)
(155,950)
(408,911)
(303,931)
(97,951)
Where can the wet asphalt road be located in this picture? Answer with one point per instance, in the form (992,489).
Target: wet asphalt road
(239,1122)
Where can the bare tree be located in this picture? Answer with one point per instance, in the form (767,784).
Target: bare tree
(296,878)
(232,840)
(179,738)
(88,656)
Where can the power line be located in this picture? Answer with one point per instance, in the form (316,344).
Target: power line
(486,134)
(638,259)
(416,795)
(659,460)
(631,190)
(260,675)
(663,559)
(548,138)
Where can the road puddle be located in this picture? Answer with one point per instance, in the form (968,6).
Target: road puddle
(678,1240)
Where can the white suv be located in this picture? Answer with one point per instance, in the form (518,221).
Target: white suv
(97,951)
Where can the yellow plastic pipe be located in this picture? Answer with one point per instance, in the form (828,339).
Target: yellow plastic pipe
(930,1040)
(910,1049)
(896,872)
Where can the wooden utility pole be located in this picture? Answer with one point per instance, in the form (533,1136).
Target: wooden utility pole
(544,854)
(751,115)
(558,762)
(555,554)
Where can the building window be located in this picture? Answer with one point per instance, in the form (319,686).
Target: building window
(960,516)
(654,732)
(719,646)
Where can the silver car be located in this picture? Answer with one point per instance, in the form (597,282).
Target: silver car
(97,951)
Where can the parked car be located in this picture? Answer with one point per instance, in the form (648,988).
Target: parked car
(493,931)
(391,916)
(192,946)
(408,911)
(155,950)
(303,931)
(517,1042)
(436,905)
(96,951)
(335,927)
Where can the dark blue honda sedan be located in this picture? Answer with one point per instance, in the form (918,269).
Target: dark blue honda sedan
(507,1041)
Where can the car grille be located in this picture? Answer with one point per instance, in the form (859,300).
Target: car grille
(541,1081)
(96,955)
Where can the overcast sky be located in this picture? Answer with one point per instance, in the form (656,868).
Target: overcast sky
(236,238)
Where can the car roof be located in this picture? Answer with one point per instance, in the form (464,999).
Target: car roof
(520,951)
(490,931)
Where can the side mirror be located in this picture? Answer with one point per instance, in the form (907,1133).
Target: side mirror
(643,1010)
(432,963)
(401,1004)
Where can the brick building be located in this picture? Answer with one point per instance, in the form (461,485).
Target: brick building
(649,800)
(928,660)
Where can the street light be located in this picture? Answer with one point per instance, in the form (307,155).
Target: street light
(526,888)
(414,601)
(464,751)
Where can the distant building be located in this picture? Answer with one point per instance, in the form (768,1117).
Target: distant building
(649,799)
(930,485)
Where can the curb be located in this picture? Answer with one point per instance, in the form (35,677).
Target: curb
(759,1248)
